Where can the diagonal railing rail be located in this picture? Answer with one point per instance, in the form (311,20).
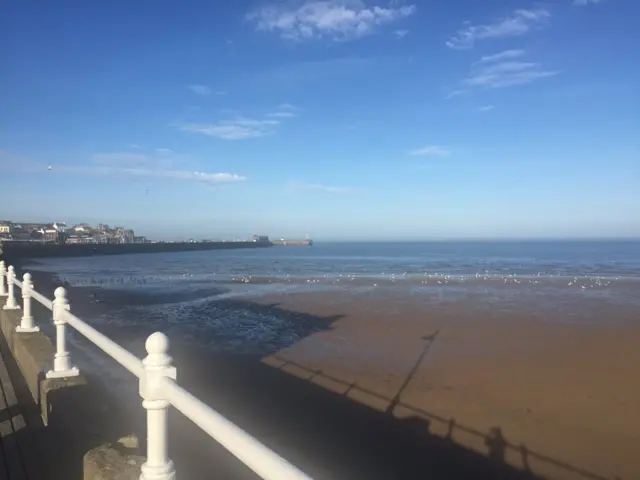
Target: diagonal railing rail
(158,387)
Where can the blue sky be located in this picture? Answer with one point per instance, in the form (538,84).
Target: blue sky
(343,119)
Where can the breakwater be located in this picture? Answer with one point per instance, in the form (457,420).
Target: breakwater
(292,243)
(38,250)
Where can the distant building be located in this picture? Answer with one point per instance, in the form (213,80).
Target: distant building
(260,239)
(49,234)
(6,227)
(124,235)
(60,227)
(82,227)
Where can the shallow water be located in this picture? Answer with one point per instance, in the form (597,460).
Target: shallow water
(192,293)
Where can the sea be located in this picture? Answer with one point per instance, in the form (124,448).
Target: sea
(185,288)
(212,299)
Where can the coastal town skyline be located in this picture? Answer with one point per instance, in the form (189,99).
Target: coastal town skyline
(344,119)
(83,232)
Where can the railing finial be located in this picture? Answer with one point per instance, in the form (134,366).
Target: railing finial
(62,366)
(157,347)
(11,298)
(26,322)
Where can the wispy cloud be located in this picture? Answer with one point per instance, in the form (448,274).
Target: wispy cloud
(486,108)
(243,128)
(334,19)
(117,165)
(499,71)
(506,74)
(322,188)
(200,89)
(150,172)
(582,3)
(518,23)
(236,129)
(400,34)
(505,55)
(284,110)
(430,151)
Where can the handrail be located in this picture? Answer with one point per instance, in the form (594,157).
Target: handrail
(247,449)
(157,388)
(42,300)
(121,355)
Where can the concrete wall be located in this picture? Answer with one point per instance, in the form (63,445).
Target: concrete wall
(37,250)
(83,434)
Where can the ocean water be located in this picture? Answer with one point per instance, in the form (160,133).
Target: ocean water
(194,293)
(205,298)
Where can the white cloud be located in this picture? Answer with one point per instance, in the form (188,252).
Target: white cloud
(150,172)
(334,19)
(117,165)
(582,3)
(486,108)
(400,34)
(506,74)
(200,89)
(284,110)
(241,128)
(430,151)
(505,55)
(518,23)
(236,129)
(499,71)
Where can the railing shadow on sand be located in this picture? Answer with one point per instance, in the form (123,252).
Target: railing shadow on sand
(419,423)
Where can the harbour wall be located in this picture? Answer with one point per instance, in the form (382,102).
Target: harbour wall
(36,250)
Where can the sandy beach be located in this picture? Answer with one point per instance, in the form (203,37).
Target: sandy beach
(393,388)
(562,393)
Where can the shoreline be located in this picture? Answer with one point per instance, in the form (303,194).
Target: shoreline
(564,391)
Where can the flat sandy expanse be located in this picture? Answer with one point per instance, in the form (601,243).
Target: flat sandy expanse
(566,392)
(399,388)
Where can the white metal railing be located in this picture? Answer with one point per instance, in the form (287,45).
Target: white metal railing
(158,387)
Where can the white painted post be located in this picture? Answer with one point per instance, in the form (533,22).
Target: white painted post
(157,365)
(62,359)
(11,299)
(26,323)
(3,273)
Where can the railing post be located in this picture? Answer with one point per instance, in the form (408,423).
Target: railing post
(26,323)
(62,359)
(157,365)
(3,273)
(11,300)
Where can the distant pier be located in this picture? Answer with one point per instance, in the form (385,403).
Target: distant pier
(307,242)
(283,242)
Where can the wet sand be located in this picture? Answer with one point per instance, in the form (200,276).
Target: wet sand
(403,390)
(564,391)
